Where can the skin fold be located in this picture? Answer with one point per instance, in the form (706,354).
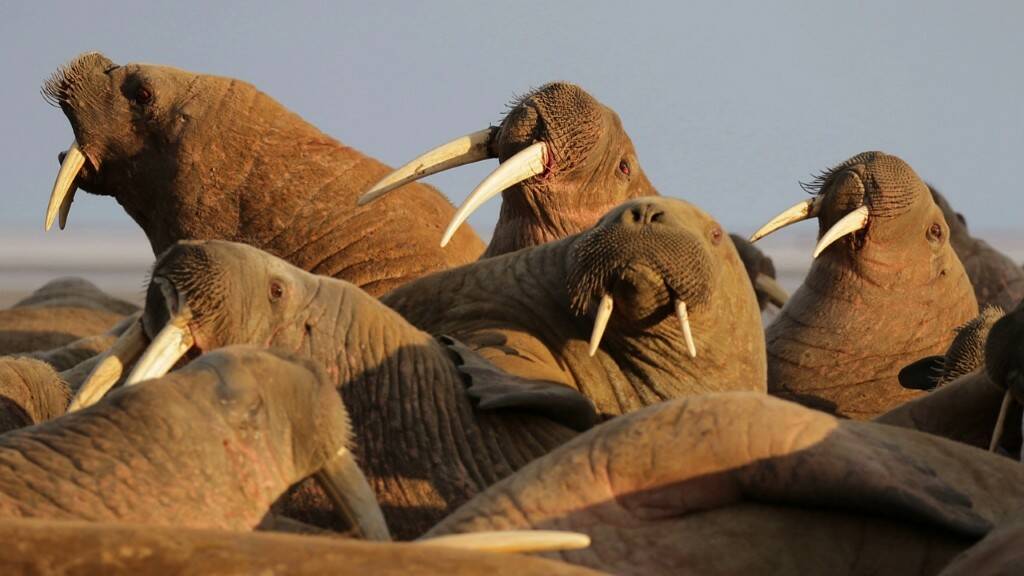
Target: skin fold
(730,483)
(62,311)
(59,548)
(531,312)
(998,554)
(869,304)
(210,446)
(997,280)
(194,156)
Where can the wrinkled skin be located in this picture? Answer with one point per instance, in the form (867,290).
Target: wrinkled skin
(756,263)
(210,446)
(62,311)
(531,312)
(592,167)
(66,548)
(868,306)
(30,392)
(196,156)
(742,483)
(997,280)
(422,439)
(998,554)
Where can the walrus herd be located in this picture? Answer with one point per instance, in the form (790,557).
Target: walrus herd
(332,373)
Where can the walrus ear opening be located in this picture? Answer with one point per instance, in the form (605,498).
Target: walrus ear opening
(491,388)
(923,374)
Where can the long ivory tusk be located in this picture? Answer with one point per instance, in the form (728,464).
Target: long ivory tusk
(110,367)
(467,149)
(848,224)
(777,295)
(527,163)
(684,323)
(62,186)
(511,541)
(801,211)
(173,341)
(604,312)
(351,494)
(997,432)
(65,208)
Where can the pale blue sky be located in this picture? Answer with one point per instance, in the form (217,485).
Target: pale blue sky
(729,103)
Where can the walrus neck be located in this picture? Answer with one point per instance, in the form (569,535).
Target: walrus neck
(530,217)
(422,444)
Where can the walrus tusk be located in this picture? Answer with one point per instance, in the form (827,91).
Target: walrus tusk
(684,323)
(63,187)
(799,212)
(467,149)
(511,541)
(848,224)
(527,163)
(351,494)
(776,294)
(173,341)
(997,431)
(604,312)
(110,367)
(65,208)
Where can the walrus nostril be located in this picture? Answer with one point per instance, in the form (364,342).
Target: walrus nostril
(643,214)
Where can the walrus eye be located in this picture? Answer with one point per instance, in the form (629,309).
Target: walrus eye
(624,167)
(276,291)
(716,235)
(143,96)
(935,232)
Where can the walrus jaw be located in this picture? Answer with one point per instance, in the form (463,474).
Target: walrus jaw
(799,212)
(604,313)
(473,147)
(63,193)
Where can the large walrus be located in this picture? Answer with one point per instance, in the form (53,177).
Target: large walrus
(193,156)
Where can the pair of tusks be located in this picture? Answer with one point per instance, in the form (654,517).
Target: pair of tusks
(63,193)
(340,477)
(473,147)
(604,313)
(852,222)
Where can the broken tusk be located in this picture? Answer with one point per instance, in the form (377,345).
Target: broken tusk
(604,312)
(997,431)
(349,491)
(110,367)
(848,224)
(63,187)
(796,213)
(527,163)
(776,294)
(173,341)
(463,150)
(511,541)
(684,323)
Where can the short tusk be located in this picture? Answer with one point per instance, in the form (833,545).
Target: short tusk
(776,294)
(173,341)
(684,323)
(848,224)
(351,494)
(463,150)
(511,541)
(604,312)
(797,213)
(527,163)
(110,367)
(63,187)
(997,432)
